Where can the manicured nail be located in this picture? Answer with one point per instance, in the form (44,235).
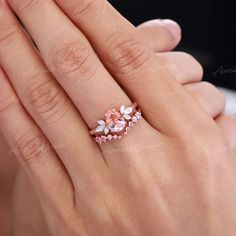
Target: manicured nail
(172,27)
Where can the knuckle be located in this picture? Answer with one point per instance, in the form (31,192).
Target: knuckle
(217,94)
(28,5)
(7,35)
(208,86)
(74,59)
(209,150)
(46,100)
(92,8)
(8,102)
(196,65)
(127,55)
(166,64)
(31,148)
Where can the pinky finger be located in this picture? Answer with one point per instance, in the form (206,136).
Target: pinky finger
(32,149)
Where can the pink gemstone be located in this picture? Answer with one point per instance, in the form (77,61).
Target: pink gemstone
(119,137)
(131,124)
(125,133)
(109,137)
(112,115)
(98,140)
(115,137)
(104,139)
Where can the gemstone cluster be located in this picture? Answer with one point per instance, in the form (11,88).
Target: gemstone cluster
(116,124)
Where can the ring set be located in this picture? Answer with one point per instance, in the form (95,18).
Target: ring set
(116,123)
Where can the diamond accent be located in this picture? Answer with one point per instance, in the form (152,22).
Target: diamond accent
(138,115)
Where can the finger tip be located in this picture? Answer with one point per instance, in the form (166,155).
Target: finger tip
(173,27)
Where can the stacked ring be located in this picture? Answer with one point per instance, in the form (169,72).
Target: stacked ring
(116,123)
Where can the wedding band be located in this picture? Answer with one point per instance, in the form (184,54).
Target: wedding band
(116,123)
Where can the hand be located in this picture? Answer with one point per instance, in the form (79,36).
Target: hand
(174,129)
(28,222)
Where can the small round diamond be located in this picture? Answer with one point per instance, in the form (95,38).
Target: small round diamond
(138,115)
(127,129)
(104,139)
(98,140)
(131,124)
(109,137)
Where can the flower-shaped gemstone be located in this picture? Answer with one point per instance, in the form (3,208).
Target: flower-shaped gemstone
(102,127)
(126,112)
(114,121)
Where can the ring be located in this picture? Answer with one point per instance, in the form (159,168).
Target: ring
(116,123)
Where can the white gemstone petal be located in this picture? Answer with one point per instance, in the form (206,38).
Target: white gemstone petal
(122,109)
(106,130)
(101,122)
(100,129)
(128,110)
(127,117)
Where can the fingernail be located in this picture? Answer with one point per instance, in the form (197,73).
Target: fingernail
(172,27)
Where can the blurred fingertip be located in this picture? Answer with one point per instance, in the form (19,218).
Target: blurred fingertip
(173,27)
(170,26)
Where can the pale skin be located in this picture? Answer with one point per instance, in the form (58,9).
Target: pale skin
(150,183)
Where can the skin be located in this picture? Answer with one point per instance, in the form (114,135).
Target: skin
(102,193)
(160,39)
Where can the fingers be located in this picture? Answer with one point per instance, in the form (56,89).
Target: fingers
(46,101)
(73,61)
(75,65)
(227,125)
(122,49)
(182,66)
(33,151)
(161,35)
(188,72)
(208,97)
